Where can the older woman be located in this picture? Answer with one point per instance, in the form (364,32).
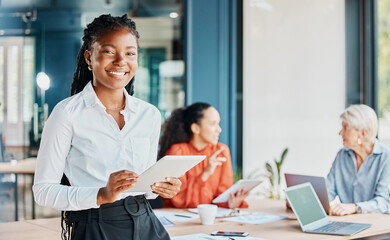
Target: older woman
(360,174)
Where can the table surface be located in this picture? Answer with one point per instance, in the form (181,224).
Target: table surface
(283,229)
(26,166)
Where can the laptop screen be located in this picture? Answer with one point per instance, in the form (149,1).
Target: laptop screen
(306,205)
(318,183)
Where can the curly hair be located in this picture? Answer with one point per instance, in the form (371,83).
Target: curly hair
(99,27)
(177,128)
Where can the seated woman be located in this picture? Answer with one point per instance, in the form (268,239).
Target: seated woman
(360,174)
(195,130)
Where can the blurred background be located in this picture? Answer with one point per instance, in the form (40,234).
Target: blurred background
(280,73)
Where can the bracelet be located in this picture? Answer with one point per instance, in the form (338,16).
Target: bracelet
(358,209)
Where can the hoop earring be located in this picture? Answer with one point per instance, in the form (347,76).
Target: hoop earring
(359,141)
(89,68)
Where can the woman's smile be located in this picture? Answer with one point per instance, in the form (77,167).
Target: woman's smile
(117,73)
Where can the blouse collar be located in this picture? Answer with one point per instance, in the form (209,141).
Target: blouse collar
(91,99)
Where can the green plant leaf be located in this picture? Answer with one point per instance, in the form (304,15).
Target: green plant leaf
(271,177)
(268,167)
(279,164)
(283,157)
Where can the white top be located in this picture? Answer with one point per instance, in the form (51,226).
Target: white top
(83,141)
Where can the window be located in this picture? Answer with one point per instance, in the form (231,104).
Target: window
(1,85)
(16,88)
(12,85)
(383,41)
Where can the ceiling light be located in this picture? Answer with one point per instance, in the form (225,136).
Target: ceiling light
(43,81)
(173,15)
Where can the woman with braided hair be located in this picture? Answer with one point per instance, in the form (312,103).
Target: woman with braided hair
(195,130)
(100,139)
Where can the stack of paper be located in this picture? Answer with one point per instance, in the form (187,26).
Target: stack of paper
(167,217)
(256,218)
(222,212)
(202,236)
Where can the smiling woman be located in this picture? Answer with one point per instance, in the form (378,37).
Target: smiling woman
(195,130)
(113,60)
(92,138)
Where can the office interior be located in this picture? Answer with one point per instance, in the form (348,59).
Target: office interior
(279,72)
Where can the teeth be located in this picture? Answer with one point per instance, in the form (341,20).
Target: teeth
(118,73)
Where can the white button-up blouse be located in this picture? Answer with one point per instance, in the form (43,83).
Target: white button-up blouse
(83,141)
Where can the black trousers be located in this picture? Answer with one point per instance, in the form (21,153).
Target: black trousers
(131,218)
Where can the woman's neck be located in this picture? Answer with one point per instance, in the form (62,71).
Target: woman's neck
(110,99)
(198,143)
(362,152)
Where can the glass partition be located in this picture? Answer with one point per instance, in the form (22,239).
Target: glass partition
(160,75)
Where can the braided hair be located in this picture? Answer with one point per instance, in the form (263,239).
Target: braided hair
(177,128)
(99,27)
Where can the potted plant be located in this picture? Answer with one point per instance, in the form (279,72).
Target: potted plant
(274,175)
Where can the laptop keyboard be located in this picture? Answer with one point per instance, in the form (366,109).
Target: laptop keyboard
(332,227)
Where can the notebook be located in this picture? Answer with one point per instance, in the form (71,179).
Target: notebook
(311,215)
(318,183)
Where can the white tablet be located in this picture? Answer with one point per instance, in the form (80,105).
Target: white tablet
(168,166)
(243,183)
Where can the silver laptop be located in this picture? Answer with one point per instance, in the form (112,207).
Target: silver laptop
(311,215)
(318,183)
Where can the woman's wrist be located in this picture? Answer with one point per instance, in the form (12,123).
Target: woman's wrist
(205,175)
(100,196)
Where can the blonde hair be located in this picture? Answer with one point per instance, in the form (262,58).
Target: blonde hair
(361,116)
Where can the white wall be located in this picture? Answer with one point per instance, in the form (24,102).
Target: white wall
(294,83)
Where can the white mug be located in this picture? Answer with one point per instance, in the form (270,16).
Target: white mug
(207,213)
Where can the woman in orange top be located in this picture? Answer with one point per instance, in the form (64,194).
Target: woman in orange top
(195,130)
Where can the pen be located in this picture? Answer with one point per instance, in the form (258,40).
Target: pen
(179,215)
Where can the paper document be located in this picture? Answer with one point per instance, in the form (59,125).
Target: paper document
(202,236)
(223,212)
(166,222)
(176,216)
(256,218)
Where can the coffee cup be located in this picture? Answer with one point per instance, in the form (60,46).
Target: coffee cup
(207,213)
